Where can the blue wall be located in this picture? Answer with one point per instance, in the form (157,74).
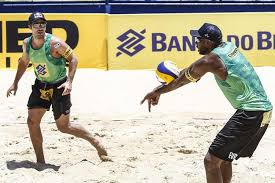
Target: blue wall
(118,7)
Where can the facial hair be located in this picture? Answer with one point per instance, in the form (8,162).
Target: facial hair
(40,34)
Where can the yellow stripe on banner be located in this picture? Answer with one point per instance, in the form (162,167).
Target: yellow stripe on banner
(24,30)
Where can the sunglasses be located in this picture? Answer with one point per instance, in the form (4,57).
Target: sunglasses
(39,24)
(200,38)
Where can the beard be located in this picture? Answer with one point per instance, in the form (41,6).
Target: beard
(39,34)
(202,52)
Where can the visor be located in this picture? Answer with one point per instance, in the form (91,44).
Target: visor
(195,33)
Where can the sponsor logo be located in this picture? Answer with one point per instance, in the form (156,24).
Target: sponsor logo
(67,112)
(46,94)
(130,42)
(164,42)
(233,53)
(38,15)
(232,155)
(12,42)
(41,69)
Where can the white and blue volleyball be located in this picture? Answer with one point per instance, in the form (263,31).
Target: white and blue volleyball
(167,71)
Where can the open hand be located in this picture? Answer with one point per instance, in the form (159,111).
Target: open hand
(67,88)
(13,89)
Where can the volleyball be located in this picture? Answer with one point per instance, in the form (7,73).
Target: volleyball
(167,71)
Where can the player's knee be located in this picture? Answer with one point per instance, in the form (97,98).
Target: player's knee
(211,162)
(63,127)
(227,163)
(31,121)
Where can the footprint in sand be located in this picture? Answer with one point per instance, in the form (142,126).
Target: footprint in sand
(186,151)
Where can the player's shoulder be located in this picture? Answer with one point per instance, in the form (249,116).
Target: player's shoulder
(213,58)
(208,59)
(56,42)
(55,39)
(224,47)
(26,40)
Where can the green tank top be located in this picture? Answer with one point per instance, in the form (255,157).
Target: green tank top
(242,86)
(47,68)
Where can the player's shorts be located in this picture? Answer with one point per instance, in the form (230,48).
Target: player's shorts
(241,135)
(44,95)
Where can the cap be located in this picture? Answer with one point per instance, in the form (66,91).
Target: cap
(208,31)
(36,16)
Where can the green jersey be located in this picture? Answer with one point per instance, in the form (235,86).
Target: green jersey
(242,86)
(47,68)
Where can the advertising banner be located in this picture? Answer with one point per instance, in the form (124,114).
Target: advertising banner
(85,33)
(142,41)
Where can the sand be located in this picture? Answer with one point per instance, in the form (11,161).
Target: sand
(165,146)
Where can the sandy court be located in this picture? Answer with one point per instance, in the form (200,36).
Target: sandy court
(165,146)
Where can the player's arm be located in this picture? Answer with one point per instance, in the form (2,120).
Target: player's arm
(209,63)
(66,51)
(23,63)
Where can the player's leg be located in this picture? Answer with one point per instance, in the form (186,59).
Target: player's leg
(223,150)
(61,108)
(212,165)
(36,109)
(64,125)
(226,170)
(34,118)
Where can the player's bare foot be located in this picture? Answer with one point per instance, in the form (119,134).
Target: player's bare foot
(102,153)
(105,158)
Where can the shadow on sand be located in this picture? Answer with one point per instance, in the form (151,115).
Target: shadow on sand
(12,165)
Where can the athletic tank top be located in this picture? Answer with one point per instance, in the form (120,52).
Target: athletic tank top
(46,68)
(242,86)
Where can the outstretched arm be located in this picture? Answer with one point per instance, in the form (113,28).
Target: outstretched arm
(23,63)
(190,74)
(208,63)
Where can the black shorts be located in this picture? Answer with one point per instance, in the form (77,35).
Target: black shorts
(44,95)
(241,135)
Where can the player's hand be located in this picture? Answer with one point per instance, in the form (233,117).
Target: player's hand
(67,87)
(152,98)
(13,89)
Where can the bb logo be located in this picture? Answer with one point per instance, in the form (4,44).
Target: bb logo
(130,42)
(41,70)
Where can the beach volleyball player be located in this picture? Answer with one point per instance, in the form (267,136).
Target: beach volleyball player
(52,86)
(241,86)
